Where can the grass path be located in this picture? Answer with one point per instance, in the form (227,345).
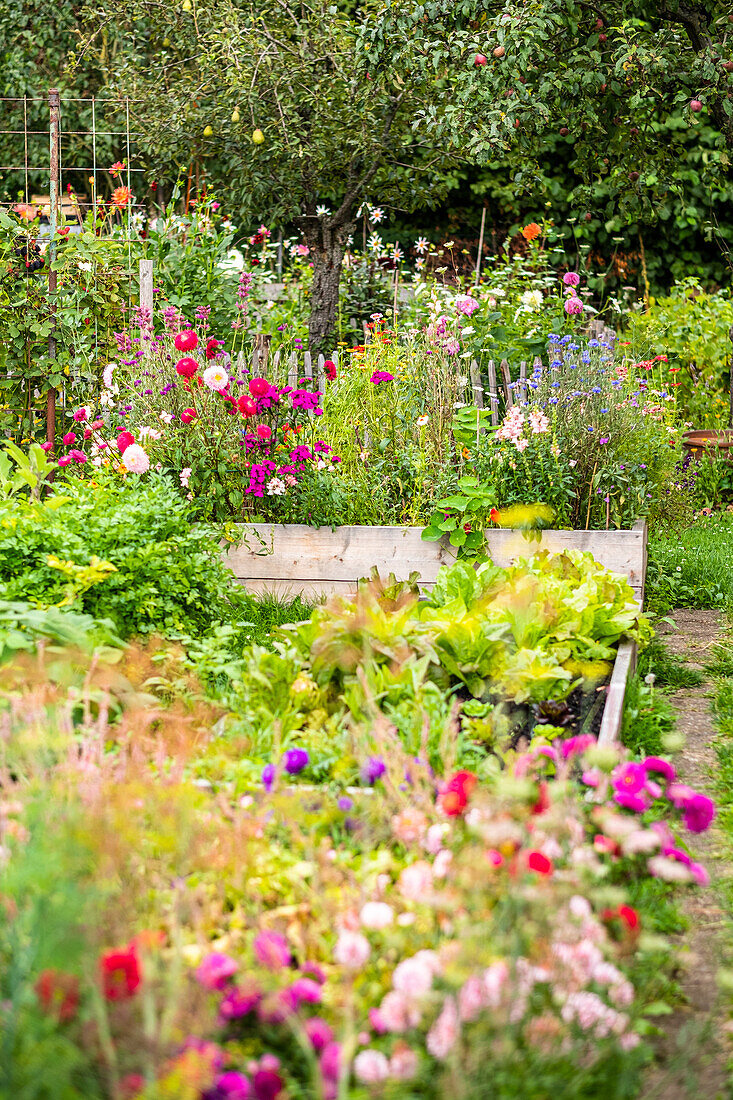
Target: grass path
(694,1054)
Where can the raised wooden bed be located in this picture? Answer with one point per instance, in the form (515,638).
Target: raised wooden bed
(317,561)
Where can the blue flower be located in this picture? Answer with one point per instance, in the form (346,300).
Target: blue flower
(556,363)
(593,344)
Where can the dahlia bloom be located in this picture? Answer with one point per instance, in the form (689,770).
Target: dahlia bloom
(573,305)
(571,278)
(135,459)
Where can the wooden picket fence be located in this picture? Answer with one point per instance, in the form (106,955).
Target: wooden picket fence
(500,388)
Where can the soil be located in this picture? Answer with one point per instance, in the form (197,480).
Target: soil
(693,1054)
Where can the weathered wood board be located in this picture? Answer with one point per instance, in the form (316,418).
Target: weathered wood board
(291,558)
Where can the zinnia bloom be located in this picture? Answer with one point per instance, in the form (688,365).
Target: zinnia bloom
(121,197)
(698,813)
(188,415)
(120,971)
(531,232)
(330,370)
(124,440)
(538,861)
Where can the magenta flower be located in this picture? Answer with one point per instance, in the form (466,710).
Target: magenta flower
(216,970)
(577,744)
(318,1032)
(380,376)
(47,447)
(65,460)
(239,1001)
(305,991)
(659,766)
(77,456)
(630,801)
(315,971)
(573,305)
(68,439)
(629,778)
(373,769)
(268,776)
(330,1061)
(698,813)
(231,1086)
(271,950)
(680,794)
(570,278)
(267,1084)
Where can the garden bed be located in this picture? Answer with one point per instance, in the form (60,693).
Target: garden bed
(318,561)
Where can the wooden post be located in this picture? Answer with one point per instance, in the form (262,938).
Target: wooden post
(276,366)
(523,381)
(293,370)
(493,394)
(321,374)
(307,365)
(476,385)
(262,343)
(507,380)
(146,304)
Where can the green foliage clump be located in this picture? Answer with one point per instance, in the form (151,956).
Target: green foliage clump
(117,549)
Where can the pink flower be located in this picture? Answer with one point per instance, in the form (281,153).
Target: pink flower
(397,1013)
(65,460)
(404,1063)
(629,778)
(451,346)
(271,950)
(238,1002)
(444,1032)
(416,881)
(573,305)
(466,304)
(471,998)
(77,456)
(216,970)
(135,459)
(413,977)
(68,439)
(352,950)
(318,1032)
(577,744)
(305,991)
(47,447)
(371,1066)
(376,914)
(330,1061)
(494,979)
(570,278)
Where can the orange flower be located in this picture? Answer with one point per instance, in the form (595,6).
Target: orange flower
(531,232)
(25,212)
(121,197)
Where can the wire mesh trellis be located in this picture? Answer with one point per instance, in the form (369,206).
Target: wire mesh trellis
(61,158)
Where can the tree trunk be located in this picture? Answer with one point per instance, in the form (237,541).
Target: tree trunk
(327,244)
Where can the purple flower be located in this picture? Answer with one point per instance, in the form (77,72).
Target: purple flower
(380,376)
(345,803)
(315,971)
(373,769)
(295,760)
(271,950)
(268,776)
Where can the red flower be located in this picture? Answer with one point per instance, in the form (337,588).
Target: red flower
(258,387)
(188,415)
(454,797)
(211,348)
(120,972)
(124,440)
(543,799)
(186,340)
(538,861)
(330,368)
(247,406)
(495,515)
(58,994)
(186,367)
(629,916)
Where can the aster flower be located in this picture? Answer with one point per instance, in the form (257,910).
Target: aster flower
(215,377)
